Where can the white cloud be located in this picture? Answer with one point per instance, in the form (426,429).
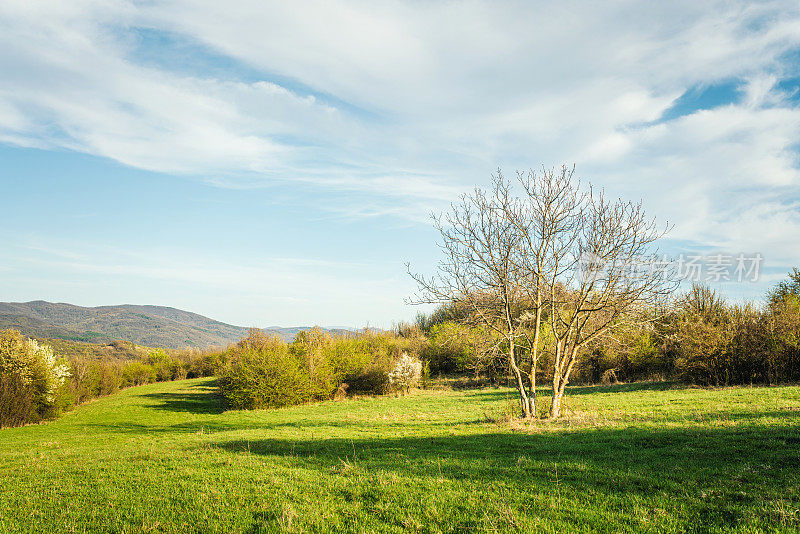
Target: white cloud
(727,178)
(416,101)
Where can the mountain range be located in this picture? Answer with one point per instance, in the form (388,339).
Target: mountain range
(151,326)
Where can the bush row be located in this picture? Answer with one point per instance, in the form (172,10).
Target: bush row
(265,372)
(91,378)
(699,338)
(36,385)
(259,371)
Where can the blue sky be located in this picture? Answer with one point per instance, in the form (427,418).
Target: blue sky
(275,163)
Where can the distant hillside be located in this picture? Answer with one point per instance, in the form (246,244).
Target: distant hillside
(116,350)
(151,326)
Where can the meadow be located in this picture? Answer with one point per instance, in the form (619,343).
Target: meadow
(647,457)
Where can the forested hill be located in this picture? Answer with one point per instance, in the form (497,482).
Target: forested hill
(152,326)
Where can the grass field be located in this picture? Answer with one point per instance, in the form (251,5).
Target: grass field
(167,458)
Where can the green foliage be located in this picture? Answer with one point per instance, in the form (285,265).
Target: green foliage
(137,373)
(634,353)
(115,350)
(266,377)
(700,340)
(703,340)
(93,378)
(372,380)
(266,372)
(446,313)
(17,405)
(781,343)
(720,344)
(451,349)
(165,367)
(208,364)
(456,348)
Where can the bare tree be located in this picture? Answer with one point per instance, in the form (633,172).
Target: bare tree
(557,260)
(610,275)
(547,218)
(480,272)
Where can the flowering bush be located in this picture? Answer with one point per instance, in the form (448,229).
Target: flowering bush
(406,373)
(46,369)
(31,378)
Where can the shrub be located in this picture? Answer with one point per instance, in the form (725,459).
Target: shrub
(165,367)
(100,379)
(137,374)
(405,374)
(450,349)
(266,376)
(17,406)
(35,386)
(31,379)
(371,380)
(206,364)
(265,372)
(633,353)
(781,340)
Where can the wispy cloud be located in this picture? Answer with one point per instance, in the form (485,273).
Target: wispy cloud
(252,289)
(396,108)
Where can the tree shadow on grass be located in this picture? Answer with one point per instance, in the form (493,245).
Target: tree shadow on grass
(748,420)
(627,449)
(714,477)
(206,400)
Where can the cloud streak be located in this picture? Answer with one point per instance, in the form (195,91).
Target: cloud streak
(396,107)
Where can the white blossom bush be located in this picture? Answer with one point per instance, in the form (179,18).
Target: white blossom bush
(406,373)
(53,373)
(30,376)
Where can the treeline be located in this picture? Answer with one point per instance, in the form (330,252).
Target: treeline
(36,384)
(698,338)
(90,378)
(260,371)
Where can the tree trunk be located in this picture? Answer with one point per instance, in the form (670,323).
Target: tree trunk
(523,396)
(532,398)
(555,406)
(535,348)
(560,381)
(532,382)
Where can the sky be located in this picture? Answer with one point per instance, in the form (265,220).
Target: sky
(276,163)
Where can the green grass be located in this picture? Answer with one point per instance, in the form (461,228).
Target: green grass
(643,457)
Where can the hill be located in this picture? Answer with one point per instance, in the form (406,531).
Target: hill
(632,458)
(152,326)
